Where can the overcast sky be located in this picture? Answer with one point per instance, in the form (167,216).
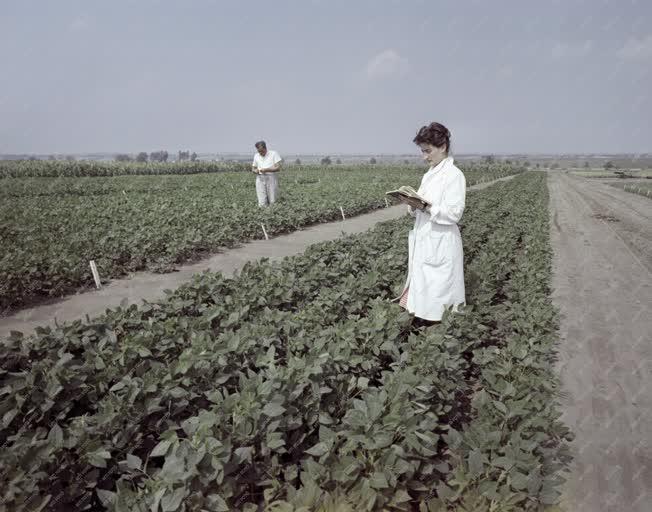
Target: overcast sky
(325,76)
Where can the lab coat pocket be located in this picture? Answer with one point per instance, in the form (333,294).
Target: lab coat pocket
(436,250)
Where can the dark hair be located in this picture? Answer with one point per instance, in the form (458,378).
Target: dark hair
(261,144)
(436,134)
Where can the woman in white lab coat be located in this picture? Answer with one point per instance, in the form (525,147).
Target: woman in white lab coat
(436,261)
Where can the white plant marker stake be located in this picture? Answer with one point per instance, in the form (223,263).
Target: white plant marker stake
(264,232)
(343,217)
(386,203)
(96,275)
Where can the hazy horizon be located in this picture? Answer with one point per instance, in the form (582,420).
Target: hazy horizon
(414,154)
(321,77)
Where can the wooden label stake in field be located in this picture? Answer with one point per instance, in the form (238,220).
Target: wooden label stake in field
(386,203)
(264,232)
(343,217)
(96,275)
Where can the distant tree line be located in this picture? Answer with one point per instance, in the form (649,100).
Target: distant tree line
(185,155)
(156,156)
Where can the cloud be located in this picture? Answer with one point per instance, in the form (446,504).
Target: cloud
(636,48)
(506,72)
(385,64)
(572,50)
(79,24)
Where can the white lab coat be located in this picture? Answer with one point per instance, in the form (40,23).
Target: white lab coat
(436,260)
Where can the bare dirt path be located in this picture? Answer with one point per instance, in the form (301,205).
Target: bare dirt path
(602,241)
(147,286)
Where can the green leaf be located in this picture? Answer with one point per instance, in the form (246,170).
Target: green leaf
(453,438)
(107,498)
(117,386)
(549,495)
(488,489)
(244,453)
(290,473)
(429,438)
(318,450)
(171,501)
(378,480)
(503,462)
(326,434)
(444,492)
(475,462)
(284,506)
(55,437)
(217,503)
(360,406)
(400,496)
(325,419)
(275,440)
(370,496)
(534,482)
(157,499)
(98,458)
(383,439)
(161,448)
(144,352)
(133,461)
(8,417)
(519,481)
(273,410)
(345,469)
(500,406)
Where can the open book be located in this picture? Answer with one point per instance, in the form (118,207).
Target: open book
(408,193)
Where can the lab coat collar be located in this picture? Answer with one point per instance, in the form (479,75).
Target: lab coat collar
(441,165)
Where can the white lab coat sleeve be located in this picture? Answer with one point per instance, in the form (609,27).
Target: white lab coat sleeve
(276,158)
(452,206)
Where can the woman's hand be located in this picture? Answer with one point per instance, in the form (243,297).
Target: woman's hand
(414,203)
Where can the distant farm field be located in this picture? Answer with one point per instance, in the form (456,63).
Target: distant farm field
(640,188)
(601,173)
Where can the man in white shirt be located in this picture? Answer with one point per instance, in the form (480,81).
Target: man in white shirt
(266,166)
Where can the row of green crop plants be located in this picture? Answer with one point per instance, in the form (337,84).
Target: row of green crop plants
(299,386)
(642,189)
(50,228)
(294,176)
(90,168)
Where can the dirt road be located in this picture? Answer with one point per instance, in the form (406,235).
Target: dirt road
(602,239)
